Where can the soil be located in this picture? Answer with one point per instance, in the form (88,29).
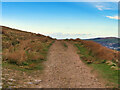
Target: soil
(63,69)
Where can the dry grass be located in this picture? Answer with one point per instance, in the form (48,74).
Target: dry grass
(98,51)
(16,57)
(20,46)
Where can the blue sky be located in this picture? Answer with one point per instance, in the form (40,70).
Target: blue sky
(63,19)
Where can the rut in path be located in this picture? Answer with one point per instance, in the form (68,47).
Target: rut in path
(64,69)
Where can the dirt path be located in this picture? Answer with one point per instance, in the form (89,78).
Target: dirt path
(64,69)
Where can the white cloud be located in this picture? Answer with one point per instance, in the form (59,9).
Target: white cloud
(101,7)
(106,6)
(113,17)
(70,35)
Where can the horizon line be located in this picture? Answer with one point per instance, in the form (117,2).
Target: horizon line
(56,38)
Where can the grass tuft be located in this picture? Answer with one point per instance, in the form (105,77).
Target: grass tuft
(25,49)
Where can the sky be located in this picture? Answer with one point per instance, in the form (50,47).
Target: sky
(63,19)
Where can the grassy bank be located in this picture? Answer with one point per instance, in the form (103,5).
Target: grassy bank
(20,73)
(24,49)
(29,65)
(23,54)
(104,70)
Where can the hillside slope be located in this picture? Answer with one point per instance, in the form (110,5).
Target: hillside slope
(25,53)
(103,60)
(110,42)
(20,47)
(95,52)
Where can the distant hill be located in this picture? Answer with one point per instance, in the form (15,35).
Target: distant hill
(110,42)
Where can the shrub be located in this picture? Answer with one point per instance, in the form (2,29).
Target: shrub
(17,57)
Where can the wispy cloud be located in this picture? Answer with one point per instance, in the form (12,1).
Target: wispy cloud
(113,17)
(70,35)
(106,6)
(101,7)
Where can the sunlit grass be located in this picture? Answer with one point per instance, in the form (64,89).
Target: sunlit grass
(106,72)
(102,68)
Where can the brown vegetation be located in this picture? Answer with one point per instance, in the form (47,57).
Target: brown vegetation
(20,46)
(98,51)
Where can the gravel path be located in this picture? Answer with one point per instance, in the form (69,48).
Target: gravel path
(64,69)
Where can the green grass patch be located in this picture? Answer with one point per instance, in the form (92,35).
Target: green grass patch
(29,65)
(81,48)
(85,54)
(26,67)
(51,43)
(65,45)
(102,68)
(106,72)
